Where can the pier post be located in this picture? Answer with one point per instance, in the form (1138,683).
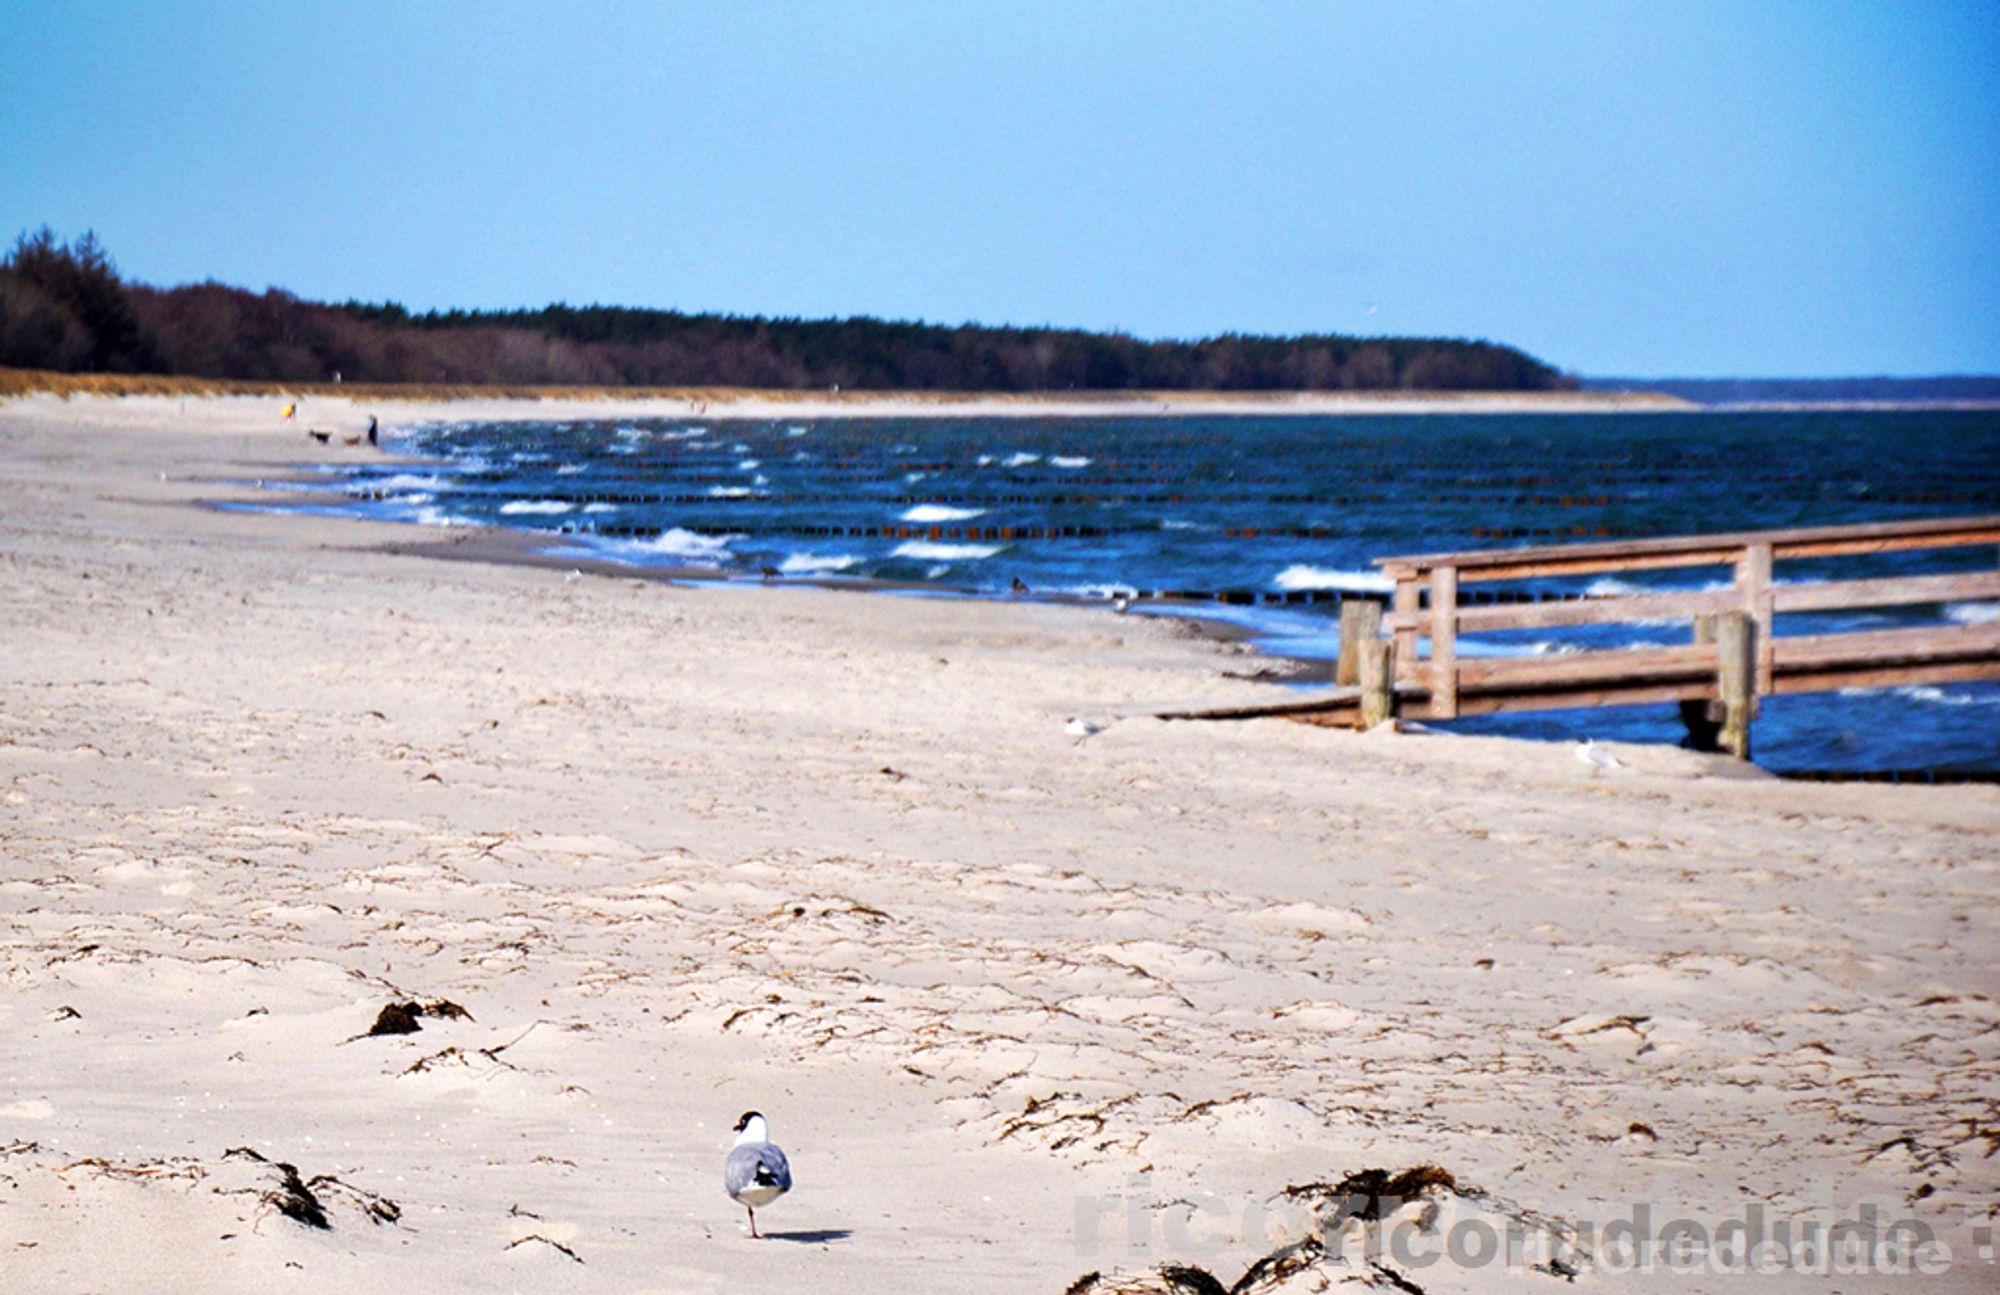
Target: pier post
(1444,642)
(1736,679)
(1360,624)
(1377,677)
(1702,717)
(1753,581)
(1406,602)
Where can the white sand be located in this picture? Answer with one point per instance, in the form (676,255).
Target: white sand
(682,852)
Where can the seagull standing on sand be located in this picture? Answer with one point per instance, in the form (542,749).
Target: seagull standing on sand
(756,1172)
(1600,762)
(1082,729)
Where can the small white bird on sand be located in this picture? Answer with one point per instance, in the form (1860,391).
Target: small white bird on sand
(1082,729)
(1600,762)
(1121,604)
(756,1172)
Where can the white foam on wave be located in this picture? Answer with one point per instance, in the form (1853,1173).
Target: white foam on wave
(1021,459)
(431,515)
(730,492)
(1973,613)
(1300,576)
(797,431)
(571,469)
(1068,461)
(749,465)
(939,513)
(601,508)
(400,481)
(1945,697)
(928,551)
(808,564)
(675,543)
(537,506)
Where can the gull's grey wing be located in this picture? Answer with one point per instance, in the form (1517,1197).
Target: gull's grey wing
(756,1164)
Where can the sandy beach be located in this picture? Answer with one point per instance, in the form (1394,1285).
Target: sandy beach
(1020,1007)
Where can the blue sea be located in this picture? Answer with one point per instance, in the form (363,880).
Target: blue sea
(1265,522)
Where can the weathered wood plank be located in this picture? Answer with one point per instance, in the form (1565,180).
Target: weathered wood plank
(1718,549)
(1594,611)
(1585,696)
(1887,647)
(1899,591)
(1486,674)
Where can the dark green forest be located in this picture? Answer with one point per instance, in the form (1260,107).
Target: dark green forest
(64,307)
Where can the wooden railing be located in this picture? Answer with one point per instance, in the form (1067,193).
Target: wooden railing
(1735,656)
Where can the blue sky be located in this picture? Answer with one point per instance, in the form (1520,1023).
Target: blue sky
(1763,188)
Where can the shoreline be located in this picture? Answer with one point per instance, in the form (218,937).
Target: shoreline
(514,403)
(686,852)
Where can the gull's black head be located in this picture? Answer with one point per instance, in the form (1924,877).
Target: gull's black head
(743,1121)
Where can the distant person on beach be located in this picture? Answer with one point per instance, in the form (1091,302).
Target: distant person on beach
(290,410)
(371,430)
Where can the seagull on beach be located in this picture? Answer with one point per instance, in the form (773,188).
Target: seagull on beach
(1601,762)
(1082,729)
(756,1172)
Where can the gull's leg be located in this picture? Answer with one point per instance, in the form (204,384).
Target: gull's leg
(753,1221)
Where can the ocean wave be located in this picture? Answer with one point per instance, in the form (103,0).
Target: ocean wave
(749,465)
(431,515)
(1020,459)
(927,551)
(1944,697)
(675,543)
(1299,576)
(1068,461)
(730,492)
(808,564)
(538,506)
(400,481)
(939,513)
(1972,613)
(571,469)
(601,508)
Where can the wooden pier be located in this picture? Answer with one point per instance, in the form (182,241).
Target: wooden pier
(1405,661)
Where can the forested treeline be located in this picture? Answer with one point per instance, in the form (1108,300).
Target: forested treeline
(63,307)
